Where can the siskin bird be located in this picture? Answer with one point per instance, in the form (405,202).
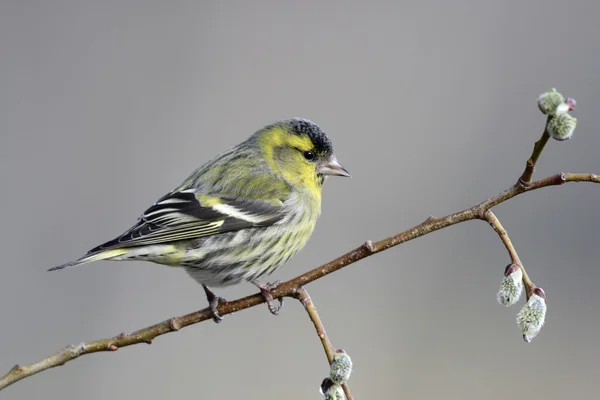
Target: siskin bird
(240,216)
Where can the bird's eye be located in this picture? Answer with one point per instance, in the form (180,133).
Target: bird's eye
(309,155)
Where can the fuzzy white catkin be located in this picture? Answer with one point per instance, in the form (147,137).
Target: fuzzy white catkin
(561,126)
(341,367)
(511,288)
(532,316)
(331,390)
(549,101)
(335,392)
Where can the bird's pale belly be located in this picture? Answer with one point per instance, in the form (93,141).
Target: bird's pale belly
(247,255)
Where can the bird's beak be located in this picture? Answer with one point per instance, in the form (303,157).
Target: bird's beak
(333,167)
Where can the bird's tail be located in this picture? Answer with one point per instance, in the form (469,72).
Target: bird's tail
(91,257)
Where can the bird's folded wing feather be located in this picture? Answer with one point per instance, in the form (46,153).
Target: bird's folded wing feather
(182,215)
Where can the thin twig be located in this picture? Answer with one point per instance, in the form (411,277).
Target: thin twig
(286,289)
(538,147)
(495,223)
(304,297)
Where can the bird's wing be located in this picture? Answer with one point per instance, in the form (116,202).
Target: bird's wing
(182,215)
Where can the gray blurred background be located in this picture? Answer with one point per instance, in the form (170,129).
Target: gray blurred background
(105,106)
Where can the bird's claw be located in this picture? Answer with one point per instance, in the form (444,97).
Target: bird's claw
(274,309)
(265,290)
(213,303)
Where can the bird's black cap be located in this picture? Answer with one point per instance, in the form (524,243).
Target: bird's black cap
(301,126)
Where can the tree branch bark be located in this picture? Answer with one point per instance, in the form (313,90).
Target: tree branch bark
(304,297)
(289,288)
(495,223)
(535,155)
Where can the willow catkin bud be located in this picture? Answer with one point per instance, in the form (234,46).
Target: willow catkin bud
(533,314)
(341,367)
(549,101)
(511,286)
(331,390)
(561,126)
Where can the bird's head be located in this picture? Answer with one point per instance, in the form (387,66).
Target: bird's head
(301,152)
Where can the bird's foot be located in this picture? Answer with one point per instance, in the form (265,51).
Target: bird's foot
(265,290)
(213,303)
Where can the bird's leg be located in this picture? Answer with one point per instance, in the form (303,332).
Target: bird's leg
(213,302)
(265,289)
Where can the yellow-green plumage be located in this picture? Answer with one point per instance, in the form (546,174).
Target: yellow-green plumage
(241,215)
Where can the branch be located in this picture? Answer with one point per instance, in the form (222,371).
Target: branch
(289,288)
(537,151)
(495,223)
(304,297)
